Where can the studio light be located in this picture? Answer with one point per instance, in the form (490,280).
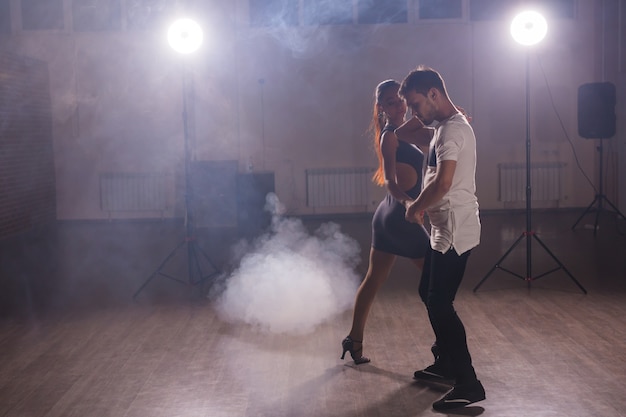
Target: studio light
(185,36)
(528,28)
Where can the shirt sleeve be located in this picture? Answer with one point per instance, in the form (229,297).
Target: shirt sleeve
(450,144)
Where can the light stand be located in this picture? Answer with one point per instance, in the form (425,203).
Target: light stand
(599,198)
(528,28)
(185,36)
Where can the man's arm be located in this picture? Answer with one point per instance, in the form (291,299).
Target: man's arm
(433,192)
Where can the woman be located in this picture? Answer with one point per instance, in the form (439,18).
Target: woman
(400,171)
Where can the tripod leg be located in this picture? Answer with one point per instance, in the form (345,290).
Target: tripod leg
(497,264)
(614,208)
(559,263)
(146,282)
(197,268)
(587,210)
(158,270)
(206,257)
(193,267)
(598,211)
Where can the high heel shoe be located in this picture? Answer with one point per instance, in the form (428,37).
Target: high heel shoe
(348,346)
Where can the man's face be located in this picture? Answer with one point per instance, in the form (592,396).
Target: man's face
(421,106)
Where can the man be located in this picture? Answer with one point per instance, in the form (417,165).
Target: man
(449,199)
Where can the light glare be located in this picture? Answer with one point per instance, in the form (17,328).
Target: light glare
(185,36)
(529,28)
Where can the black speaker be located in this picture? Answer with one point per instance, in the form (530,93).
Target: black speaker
(252,189)
(213,193)
(596,110)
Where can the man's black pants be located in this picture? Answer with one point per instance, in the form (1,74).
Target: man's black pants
(441,278)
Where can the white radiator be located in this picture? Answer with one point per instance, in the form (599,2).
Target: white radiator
(338,187)
(545,181)
(142,191)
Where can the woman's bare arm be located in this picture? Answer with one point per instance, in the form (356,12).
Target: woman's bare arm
(415,132)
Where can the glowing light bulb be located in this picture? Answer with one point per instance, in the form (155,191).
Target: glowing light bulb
(529,28)
(185,36)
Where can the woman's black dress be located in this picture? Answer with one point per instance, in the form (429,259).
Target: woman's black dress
(391,233)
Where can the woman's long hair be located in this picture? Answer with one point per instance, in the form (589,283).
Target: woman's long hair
(376,127)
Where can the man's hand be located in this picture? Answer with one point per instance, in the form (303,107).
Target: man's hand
(464,113)
(414,216)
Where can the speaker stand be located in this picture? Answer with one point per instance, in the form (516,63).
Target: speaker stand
(599,198)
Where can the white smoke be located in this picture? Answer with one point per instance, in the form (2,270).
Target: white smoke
(289,281)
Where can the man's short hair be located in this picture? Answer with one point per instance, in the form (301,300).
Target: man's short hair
(420,80)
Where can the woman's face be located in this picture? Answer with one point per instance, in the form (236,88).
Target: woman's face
(392,105)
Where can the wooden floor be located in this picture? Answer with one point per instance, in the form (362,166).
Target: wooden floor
(544,349)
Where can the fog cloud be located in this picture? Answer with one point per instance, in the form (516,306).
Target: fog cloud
(288,280)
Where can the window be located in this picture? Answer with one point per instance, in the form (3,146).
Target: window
(42,14)
(5,17)
(96,15)
(440,9)
(148,14)
(558,9)
(327,12)
(490,9)
(383,11)
(497,9)
(273,12)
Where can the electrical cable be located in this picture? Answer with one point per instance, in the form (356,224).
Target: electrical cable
(558,116)
(617,218)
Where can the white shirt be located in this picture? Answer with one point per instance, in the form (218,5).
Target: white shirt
(455,221)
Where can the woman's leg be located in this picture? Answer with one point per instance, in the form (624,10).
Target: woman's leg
(380,264)
(419,263)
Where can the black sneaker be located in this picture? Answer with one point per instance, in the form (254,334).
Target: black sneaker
(436,372)
(435,351)
(460,396)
